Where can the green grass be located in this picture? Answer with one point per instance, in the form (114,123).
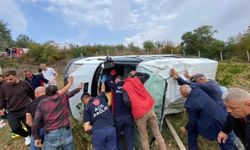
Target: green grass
(234,75)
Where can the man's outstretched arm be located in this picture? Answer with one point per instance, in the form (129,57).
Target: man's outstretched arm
(66,88)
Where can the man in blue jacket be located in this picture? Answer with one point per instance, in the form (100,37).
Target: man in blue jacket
(211,87)
(34,80)
(205,117)
(122,115)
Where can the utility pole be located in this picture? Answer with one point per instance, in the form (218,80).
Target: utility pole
(221,56)
(247,55)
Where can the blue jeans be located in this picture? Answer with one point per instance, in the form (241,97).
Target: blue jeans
(32,142)
(124,123)
(104,139)
(59,139)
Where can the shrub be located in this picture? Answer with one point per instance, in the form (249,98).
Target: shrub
(43,53)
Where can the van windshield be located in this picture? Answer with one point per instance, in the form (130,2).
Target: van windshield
(73,68)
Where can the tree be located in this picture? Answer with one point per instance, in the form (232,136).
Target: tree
(132,47)
(201,39)
(5,35)
(169,47)
(148,45)
(240,44)
(23,41)
(159,45)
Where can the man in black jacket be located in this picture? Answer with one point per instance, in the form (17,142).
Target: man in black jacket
(238,105)
(15,96)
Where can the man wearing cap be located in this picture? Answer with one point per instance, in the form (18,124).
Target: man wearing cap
(211,87)
(205,117)
(52,114)
(98,119)
(122,115)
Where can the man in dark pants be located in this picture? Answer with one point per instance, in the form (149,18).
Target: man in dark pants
(205,117)
(238,105)
(122,115)
(98,119)
(34,80)
(52,114)
(15,96)
(30,113)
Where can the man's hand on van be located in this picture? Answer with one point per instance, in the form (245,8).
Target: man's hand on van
(173,73)
(80,86)
(187,75)
(70,79)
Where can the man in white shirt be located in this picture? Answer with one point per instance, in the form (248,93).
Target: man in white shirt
(49,74)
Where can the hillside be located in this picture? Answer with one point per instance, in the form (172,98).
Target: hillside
(229,74)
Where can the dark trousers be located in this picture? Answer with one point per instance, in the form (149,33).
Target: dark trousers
(15,120)
(247,133)
(125,124)
(192,141)
(104,139)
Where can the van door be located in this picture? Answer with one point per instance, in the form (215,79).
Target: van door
(84,74)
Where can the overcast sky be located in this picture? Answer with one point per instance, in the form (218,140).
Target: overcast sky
(122,21)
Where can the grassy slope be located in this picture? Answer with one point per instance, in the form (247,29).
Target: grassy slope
(229,74)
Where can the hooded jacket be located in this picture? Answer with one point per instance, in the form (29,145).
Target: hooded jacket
(140,99)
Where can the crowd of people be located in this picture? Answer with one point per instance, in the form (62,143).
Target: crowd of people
(215,113)
(37,104)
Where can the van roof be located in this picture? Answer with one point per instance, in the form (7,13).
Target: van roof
(125,58)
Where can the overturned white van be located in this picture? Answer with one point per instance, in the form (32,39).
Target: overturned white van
(162,87)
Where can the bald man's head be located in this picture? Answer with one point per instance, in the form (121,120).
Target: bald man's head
(39,91)
(185,90)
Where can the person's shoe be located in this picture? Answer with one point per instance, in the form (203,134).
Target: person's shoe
(27,140)
(13,135)
(23,126)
